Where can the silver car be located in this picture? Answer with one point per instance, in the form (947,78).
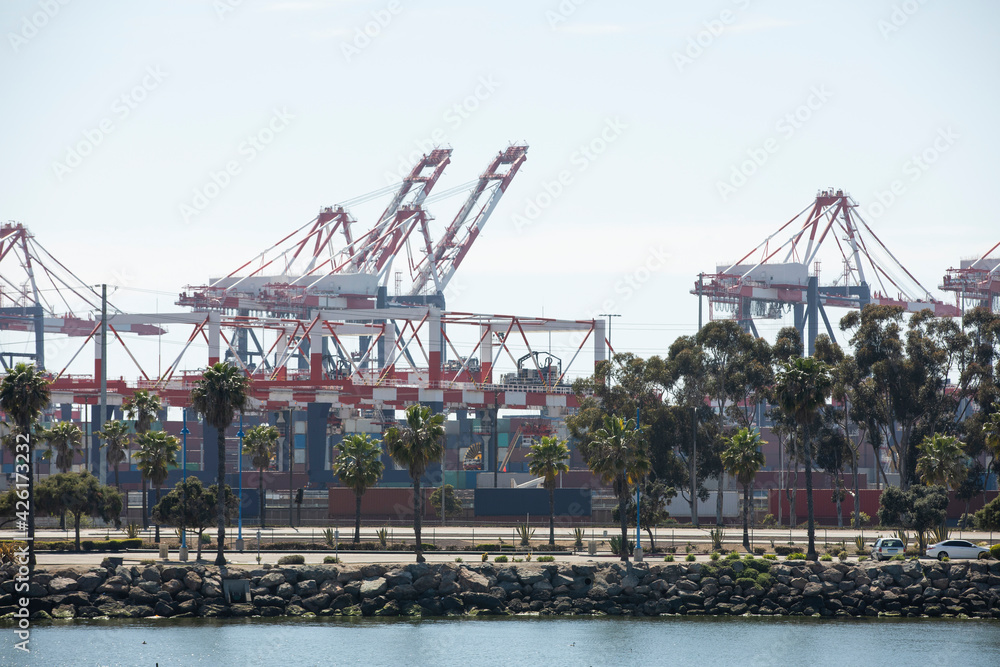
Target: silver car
(887,547)
(957,549)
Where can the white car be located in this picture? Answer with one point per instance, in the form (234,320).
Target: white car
(887,547)
(957,549)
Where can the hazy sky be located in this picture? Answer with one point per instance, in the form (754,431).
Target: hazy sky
(645,108)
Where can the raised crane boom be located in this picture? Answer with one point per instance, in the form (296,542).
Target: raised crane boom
(449,253)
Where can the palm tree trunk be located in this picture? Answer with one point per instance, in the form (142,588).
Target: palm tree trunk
(145,523)
(417,511)
(220,558)
(624,522)
(198,556)
(260,495)
(552,515)
(840,511)
(117,485)
(718,501)
(807,450)
(746,517)
(357,518)
(156,537)
(76,523)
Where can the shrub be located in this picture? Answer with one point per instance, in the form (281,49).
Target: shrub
(842,556)
(331,559)
(769,521)
(578,538)
(759,550)
(383,537)
(995,551)
(669,558)
(518,560)
(500,559)
(898,557)
(292,559)
(689,558)
(764,580)
(87,545)
(796,556)
(545,559)
(525,533)
(487,547)
(328,537)
(715,555)
(486,556)
(733,555)
(862,558)
(761,566)
(783,550)
(458,560)
(945,559)
(770,557)
(826,557)
(746,582)
(616,543)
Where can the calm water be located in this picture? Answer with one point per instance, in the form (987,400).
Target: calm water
(537,641)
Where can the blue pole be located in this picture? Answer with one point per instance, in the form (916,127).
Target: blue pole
(638,541)
(239,529)
(184,473)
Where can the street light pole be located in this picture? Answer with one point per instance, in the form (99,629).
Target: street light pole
(692,465)
(611,350)
(184,468)
(239,469)
(291,462)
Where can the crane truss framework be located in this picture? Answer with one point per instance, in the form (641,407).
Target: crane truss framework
(398,363)
(775,276)
(326,263)
(976,282)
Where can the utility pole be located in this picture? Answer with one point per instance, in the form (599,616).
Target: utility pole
(611,351)
(102,473)
(291,463)
(693,473)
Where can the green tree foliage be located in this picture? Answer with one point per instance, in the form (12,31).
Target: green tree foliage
(547,459)
(191,505)
(653,498)
(156,455)
(80,494)
(116,439)
(743,459)
(24,393)
(222,391)
(142,407)
(942,461)
(620,457)
(801,388)
(988,518)
(65,440)
(415,446)
(918,508)
(261,444)
(452,506)
(359,467)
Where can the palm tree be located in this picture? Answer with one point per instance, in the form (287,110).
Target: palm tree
(415,446)
(222,392)
(64,439)
(24,393)
(116,438)
(620,457)
(742,459)
(359,466)
(942,461)
(801,387)
(260,443)
(157,453)
(142,407)
(548,459)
